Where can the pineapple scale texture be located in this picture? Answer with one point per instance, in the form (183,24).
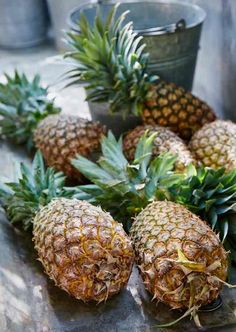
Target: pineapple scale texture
(157,233)
(171,106)
(83,249)
(214,145)
(61,137)
(165,141)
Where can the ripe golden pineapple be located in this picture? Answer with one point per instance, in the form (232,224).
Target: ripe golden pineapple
(29,117)
(118,75)
(169,105)
(182,261)
(215,145)
(165,141)
(61,137)
(83,250)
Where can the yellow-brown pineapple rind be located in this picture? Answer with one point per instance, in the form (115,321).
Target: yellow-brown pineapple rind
(61,137)
(165,141)
(83,249)
(157,233)
(171,106)
(214,145)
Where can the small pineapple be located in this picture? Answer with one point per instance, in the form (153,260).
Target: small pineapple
(29,117)
(214,145)
(165,141)
(118,75)
(83,250)
(182,261)
(61,137)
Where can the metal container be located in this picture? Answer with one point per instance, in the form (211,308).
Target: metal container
(59,10)
(23,23)
(171,31)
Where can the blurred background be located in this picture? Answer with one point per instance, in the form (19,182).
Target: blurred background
(31,37)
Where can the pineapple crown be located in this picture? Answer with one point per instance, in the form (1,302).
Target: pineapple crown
(35,188)
(124,188)
(212,195)
(109,59)
(23,104)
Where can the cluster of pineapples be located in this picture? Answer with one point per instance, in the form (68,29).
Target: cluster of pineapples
(161,181)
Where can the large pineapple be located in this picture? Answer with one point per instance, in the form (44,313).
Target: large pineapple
(29,117)
(110,60)
(83,250)
(182,261)
(214,145)
(165,141)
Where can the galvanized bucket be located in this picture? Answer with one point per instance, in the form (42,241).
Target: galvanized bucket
(23,23)
(171,31)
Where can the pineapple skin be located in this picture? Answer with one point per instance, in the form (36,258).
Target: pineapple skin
(61,137)
(83,249)
(165,141)
(157,232)
(171,106)
(214,145)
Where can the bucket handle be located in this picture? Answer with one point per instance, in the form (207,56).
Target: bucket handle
(171,28)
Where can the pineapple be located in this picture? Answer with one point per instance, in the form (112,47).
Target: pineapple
(109,59)
(211,194)
(214,145)
(182,261)
(164,141)
(29,117)
(83,250)
(61,137)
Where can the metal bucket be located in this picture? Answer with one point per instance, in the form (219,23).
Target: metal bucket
(171,31)
(23,23)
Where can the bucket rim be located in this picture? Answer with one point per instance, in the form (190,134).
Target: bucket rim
(149,31)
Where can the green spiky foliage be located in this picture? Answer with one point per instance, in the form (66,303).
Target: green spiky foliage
(109,59)
(23,104)
(124,188)
(212,195)
(35,188)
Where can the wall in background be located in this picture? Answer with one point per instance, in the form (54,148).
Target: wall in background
(215,79)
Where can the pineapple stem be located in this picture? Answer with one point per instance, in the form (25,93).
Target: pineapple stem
(223,282)
(191,311)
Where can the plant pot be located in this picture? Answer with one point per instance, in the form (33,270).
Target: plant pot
(114,122)
(22,24)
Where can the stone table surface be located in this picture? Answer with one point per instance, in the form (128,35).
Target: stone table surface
(29,301)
